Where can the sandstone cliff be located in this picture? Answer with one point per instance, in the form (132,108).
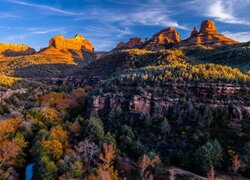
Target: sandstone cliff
(163,40)
(159,107)
(72,46)
(15,50)
(206,37)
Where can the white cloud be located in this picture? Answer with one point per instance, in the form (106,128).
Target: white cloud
(41,31)
(239,36)
(15,38)
(6,15)
(225,11)
(45,7)
(149,12)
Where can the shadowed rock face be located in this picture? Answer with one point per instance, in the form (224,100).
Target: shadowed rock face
(206,37)
(15,50)
(133,42)
(65,45)
(163,39)
(195,32)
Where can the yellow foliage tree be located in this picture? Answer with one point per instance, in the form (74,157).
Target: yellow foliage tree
(53,148)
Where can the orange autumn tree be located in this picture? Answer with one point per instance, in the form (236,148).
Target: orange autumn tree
(9,126)
(62,100)
(236,163)
(144,163)
(57,133)
(50,115)
(106,169)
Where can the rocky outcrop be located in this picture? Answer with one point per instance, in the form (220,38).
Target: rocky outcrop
(76,43)
(163,40)
(134,42)
(208,27)
(195,32)
(15,50)
(72,46)
(159,107)
(140,104)
(206,37)
(121,45)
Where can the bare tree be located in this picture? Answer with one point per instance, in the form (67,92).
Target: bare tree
(9,150)
(88,152)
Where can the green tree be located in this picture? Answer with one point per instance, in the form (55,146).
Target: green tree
(148,121)
(110,140)
(208,155)
(45,169)
(165,127)
(95,127)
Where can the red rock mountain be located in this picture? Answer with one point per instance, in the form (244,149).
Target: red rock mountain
(163,39)
(134,42)
(206,37)
(72,46)
(15,50)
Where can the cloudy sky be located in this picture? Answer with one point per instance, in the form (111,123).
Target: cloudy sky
(107,22)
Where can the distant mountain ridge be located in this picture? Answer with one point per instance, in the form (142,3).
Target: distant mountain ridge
(170,38)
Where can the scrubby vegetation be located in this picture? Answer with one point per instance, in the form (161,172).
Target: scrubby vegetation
(8,81)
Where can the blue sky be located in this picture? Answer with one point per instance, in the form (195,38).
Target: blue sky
(107,22)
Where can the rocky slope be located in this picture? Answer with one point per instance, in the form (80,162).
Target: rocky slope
(15,50)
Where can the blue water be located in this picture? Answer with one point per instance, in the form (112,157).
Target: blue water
(29,172)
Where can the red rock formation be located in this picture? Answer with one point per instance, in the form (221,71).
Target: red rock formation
(134,42)
(208,26)
(195,32)
(207,37)
(73,46)
(121,45)
(163,40)
(16,50)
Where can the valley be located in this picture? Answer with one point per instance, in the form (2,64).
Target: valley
(163,108)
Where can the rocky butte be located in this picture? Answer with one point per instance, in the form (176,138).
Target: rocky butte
(72,46)
(15,50)
(206,37)
(163,40)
